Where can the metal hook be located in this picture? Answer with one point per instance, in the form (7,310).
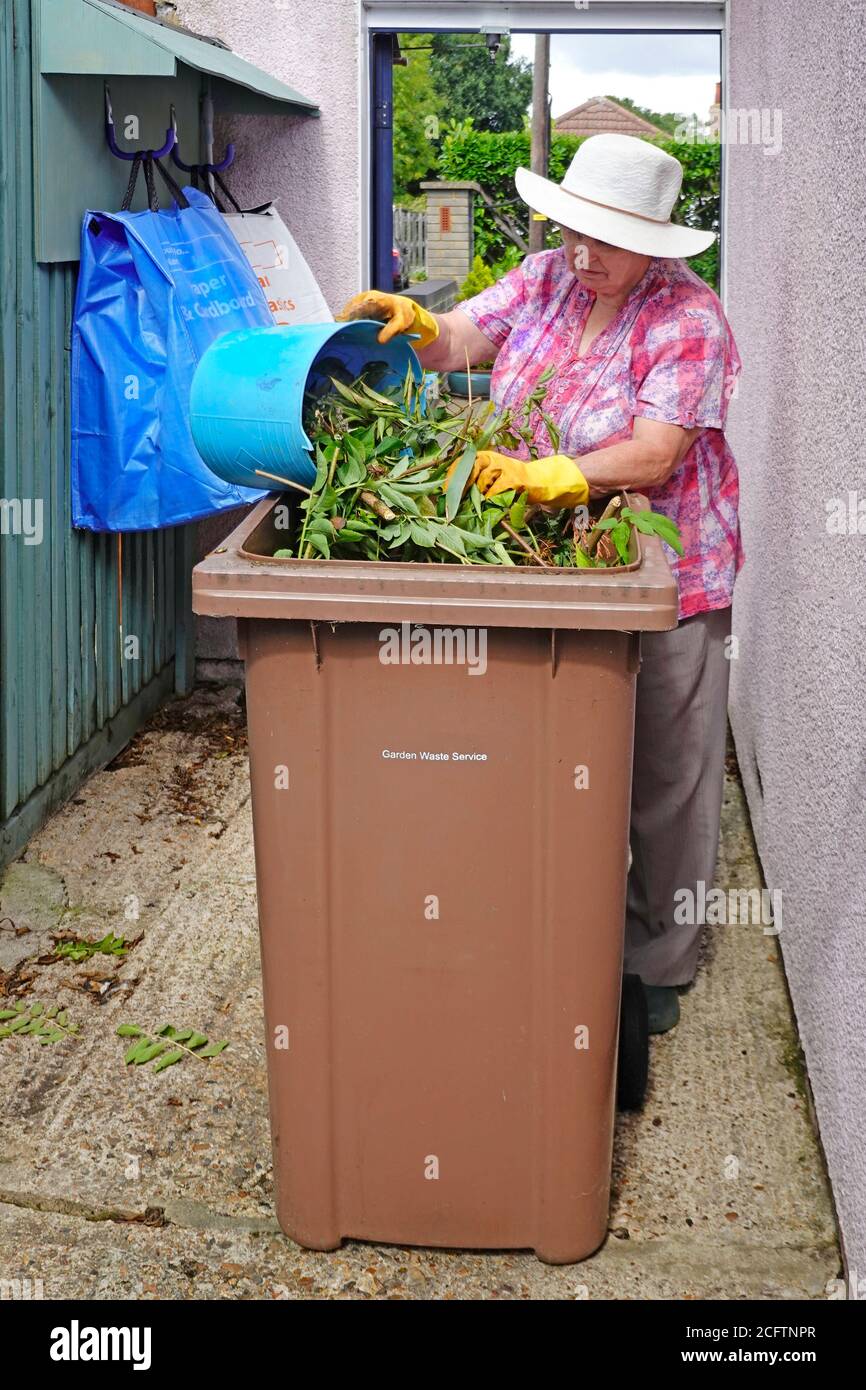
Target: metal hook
(170,136)
(227,159)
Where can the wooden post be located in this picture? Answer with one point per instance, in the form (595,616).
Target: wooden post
(540,123)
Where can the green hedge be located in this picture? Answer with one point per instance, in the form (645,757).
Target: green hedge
(492,157)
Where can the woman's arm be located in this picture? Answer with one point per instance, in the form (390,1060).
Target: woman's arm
(457,337)
(647,460)
(644,461)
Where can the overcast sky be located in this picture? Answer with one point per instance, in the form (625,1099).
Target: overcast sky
(667,72)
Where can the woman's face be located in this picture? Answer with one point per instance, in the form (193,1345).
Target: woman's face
(608,270)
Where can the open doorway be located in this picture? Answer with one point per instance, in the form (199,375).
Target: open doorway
(457,105)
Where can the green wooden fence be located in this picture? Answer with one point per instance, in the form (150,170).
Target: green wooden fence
(73,686)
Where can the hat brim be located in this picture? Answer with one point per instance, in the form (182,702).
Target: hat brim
(623,229)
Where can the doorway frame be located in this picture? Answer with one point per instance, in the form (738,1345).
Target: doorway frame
(382,18)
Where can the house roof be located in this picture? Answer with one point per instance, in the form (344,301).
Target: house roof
(601,116)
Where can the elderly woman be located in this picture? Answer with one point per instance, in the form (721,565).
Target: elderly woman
(643,365)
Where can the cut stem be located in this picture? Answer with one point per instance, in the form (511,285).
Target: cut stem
(378,506)
(536,558)
(287,482)
(589,543)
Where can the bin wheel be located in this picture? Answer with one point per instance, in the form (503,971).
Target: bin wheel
(633,1061)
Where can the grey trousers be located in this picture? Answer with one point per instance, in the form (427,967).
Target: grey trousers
(677,782)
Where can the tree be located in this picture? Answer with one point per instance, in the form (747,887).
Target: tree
(494,94)
(665,120)
(417,109)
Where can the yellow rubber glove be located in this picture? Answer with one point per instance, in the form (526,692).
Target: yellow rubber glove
(401,315)
(555,481)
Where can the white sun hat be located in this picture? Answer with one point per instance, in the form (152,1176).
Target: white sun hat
(621,190)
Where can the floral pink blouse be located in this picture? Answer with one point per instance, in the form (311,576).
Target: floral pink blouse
(669,354)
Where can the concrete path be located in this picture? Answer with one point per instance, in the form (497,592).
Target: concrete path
(118,1183)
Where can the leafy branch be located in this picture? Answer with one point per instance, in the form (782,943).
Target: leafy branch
(393,482)
(169,1045)
(77,950)
(392,476)
(649,523)
(46,1025)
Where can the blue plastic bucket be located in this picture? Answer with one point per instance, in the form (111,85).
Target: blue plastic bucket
(247,397)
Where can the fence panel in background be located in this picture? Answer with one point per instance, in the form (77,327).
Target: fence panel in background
(410,237)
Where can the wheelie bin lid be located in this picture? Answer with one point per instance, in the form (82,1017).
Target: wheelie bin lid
(241,579)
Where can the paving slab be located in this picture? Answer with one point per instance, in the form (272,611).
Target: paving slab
(116,1182)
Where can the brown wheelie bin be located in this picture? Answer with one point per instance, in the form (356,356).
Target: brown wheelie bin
(441,769)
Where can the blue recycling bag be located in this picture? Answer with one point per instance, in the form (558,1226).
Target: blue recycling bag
(155,289)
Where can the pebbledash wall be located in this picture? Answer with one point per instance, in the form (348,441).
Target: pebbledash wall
(312,168)
(315,175)
(795,297)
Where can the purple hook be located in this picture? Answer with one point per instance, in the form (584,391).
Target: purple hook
(227,159)
(170,136)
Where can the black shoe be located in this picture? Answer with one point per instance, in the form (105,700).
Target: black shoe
(663,1007)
